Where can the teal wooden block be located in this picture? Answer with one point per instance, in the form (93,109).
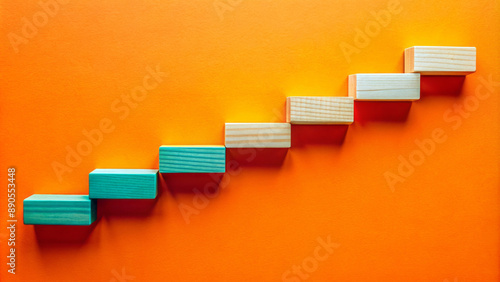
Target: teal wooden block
(123,184)
(59,209)
(192,159)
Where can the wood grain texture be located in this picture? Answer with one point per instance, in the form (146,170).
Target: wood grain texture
(193,159)
(320,110)
(258,135)
(384,86)
(59,210)
(123,183)
(440,60)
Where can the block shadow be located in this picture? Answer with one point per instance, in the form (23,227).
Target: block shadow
(48,235)
(441,85)
(383,111)
(303,135)
(192,183)
(255,157)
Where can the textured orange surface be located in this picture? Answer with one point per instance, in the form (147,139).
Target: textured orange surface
(237,61)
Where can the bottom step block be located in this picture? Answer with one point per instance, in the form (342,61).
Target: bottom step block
(46,209)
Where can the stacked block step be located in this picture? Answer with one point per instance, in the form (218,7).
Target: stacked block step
(385,86)
(436,60)
(258,135)
(59,210)
(193,159)
(123,184)
(320,110)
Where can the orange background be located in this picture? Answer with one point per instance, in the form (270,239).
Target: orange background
(440,224)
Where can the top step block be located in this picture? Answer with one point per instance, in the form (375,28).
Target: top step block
(319,110)
(440,60)
(192,159)
(384,86)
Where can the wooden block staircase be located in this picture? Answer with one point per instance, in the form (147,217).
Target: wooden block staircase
(142,183)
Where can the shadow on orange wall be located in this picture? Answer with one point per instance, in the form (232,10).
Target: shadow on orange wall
(441,85)
(386,111)
(303,135)
(254,157)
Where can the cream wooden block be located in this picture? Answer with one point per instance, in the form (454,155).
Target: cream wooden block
(123,184)
(384,86)
(319,110)
(258,135)
(440,60)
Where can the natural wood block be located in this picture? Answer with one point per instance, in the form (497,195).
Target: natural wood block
(59,210)
(440,60)
(123,183)
(193,159)
(258,135)
(384,86)
(320,110)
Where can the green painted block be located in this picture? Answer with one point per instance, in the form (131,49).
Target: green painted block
(59,209)
(123,184)
(192,159)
